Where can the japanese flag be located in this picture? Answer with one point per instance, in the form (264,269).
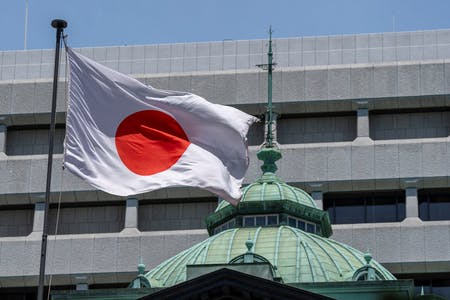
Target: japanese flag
(126,138)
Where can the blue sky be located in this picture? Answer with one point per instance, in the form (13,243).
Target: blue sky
(129,22)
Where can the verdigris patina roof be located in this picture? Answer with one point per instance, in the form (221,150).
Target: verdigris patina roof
(270,187)
(271,195)
(298,256)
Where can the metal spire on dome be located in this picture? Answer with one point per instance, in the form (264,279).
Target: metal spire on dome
(269,154)
(269,109)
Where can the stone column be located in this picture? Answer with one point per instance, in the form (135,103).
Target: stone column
(131,214)
(412,203)
(362,130)
(318,198)
(317,194)
(38,219)
(81,283)
(3,130)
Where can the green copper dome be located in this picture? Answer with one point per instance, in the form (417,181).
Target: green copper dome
(270,187)
(286,229)
(270,196)
(298,256)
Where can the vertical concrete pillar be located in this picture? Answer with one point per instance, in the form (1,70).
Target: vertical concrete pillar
(38,219)
(3,130)
(131,213)
(318,198)
(81,283)
(81,287)
(317,194)
(362,119)
(412,203)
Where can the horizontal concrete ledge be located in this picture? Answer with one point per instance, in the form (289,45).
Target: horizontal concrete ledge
(404,247)
(283,107)
(411,246)
(69,279)
(428,268)
(345,166)
(111,257)
(311,89)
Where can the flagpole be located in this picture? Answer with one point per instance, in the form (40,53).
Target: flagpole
(59,25)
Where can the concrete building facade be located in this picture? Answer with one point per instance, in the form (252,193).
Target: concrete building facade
(363,125)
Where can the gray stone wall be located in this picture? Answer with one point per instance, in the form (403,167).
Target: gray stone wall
(406,247)
(241,54)
(315,76)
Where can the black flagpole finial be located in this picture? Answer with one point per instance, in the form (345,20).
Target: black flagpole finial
(59,23)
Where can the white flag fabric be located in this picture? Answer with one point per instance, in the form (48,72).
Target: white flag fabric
(126,138)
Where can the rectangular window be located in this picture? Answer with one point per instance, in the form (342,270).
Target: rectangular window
(292,222)
(272,220)
(409,124)
(260,220)
(365,207)
(301,225)
(310,227)
(434,204)
(249,221)
(33,140)
(316,128)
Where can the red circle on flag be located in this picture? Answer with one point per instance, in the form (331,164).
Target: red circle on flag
(150,141)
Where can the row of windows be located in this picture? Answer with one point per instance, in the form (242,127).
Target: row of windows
(227,225)
(377,207)
(302,224)
(292,129)
(343,208)
(268,220)
(434,205)
(349,208)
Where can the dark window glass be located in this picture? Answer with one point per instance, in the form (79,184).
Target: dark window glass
(318,128)
(310,228)
(292,222)
(301,225)
(32,140)
(434,204)
(436,286)
(367,207)
(272,220)
(260,221)
(249,221)
(349,211)
(381,209)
